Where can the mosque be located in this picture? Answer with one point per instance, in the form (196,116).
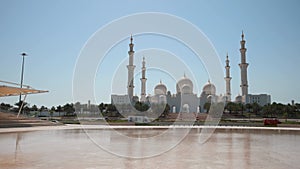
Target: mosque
(185,100)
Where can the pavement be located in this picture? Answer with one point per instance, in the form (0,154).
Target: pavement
(8,120)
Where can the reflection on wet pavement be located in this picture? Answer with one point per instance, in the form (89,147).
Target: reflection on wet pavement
(75,149)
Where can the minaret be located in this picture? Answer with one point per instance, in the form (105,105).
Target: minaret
(130,68)
(243,65)
(227,79)
(143,80)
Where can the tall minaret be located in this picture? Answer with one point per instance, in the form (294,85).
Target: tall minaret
(243,65)
(130,68)
(143,80)
(227,79)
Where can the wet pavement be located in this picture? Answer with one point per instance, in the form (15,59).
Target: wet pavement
(150,148)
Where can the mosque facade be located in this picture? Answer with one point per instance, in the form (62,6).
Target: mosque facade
(185,100)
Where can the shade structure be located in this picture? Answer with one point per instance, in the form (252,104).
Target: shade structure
(16,91)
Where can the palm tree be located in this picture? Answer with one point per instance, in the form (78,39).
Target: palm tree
(101,107)
(52,110)
(34,108)
(21,104)
(59,109)
(43,108)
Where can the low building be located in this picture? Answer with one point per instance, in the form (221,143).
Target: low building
(261,99)
(120,99)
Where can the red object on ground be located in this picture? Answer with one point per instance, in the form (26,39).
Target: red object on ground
(271,121)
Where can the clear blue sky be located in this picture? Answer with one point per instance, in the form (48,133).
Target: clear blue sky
(53,32)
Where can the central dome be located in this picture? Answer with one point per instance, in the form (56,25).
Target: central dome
(184,86)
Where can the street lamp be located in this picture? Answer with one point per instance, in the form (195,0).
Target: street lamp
(22,73)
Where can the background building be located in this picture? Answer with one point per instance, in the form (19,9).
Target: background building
(261,99)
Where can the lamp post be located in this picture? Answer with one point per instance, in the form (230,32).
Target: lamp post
(22,73)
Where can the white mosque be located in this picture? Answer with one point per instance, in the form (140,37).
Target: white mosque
(185,100)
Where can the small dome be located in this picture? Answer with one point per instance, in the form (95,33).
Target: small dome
(184,85)
(209,89)
(238,99)
(160,89)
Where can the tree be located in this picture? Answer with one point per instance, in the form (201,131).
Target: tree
(111,108)
(241,108)
(69,109)
(34,108)
(169,93)
(20,103)
(290,110)
(285,115)
(52,110)
(4,106)
(266,110)
(141,107)
(207,106)
(297,106)
(26,110)
(101,107)
(249,107)
(275,109)
(256,108)
(231,107)
(58,109)
(43,108)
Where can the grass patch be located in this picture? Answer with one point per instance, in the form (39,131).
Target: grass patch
(69,121)
(116,121)
(290,122)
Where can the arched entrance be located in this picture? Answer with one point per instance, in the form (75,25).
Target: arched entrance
(185,108)
(173,109)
